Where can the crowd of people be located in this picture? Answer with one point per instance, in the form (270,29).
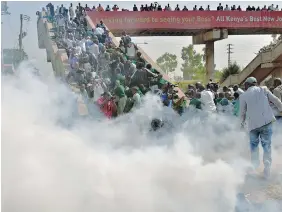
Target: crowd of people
(225,100)
(122,75)
(113,77)
(72,11)
(257,105)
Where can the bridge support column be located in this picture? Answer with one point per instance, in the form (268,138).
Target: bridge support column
(209,60)
(209,38)
(48,56)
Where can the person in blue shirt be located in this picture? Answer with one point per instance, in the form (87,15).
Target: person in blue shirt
(236,104)
(51,9)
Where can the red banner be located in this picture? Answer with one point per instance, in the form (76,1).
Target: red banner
(188,19)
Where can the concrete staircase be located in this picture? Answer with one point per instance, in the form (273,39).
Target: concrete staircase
(260,67)
(144,55)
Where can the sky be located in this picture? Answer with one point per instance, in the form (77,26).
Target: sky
(244,50)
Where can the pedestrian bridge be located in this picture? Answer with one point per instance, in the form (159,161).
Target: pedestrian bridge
(206,27)
(58,57)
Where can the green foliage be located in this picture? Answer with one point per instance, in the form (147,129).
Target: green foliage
(275,39)
(167,62)
(192,67)
(204,55)
(232,69)
(217,75)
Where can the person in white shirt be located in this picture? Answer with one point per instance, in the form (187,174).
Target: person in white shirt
(278,93)
(57,10)
(88,42)
(98,31)
(238,90)
(131,50)
(77,12)
(226,8)
(81,43)
(61,23)
(255,107)
(207,100)
(77,48)
(168,8)
(71,12)
(278,88)
(136,97)
(94,49)
(69,42)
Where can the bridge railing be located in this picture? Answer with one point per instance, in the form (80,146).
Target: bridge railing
(58,57)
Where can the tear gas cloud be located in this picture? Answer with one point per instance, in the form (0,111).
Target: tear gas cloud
(114,165)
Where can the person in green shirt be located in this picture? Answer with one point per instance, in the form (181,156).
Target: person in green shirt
(143,89)
(195,101)
(220,97)
(121,97)
(119,76)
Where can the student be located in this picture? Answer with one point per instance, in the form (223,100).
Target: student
(277,91)
(195,101)
(121,97)
(207,99)
(238,90)
(136,97)
(236,104)
(278,88)
(223,102)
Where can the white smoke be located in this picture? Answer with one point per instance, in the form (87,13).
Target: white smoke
(115,165)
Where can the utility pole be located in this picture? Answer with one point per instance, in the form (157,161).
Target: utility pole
(21,37)
(229,52)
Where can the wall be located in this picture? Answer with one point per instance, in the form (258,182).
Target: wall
(58,57)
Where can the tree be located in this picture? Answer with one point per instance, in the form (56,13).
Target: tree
(167,62)
(205,54)
(232,69)
(275,39)
(193,65)
(217,75)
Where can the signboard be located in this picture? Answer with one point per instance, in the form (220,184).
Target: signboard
(188,19)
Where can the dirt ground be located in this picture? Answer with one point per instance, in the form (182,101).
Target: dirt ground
(258,190)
